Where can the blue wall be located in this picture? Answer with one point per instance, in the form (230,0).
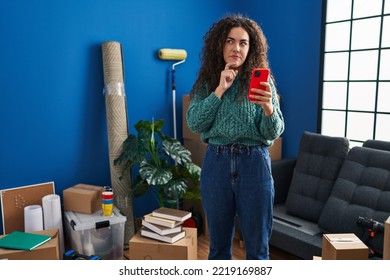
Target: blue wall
(52,116)
(293,29)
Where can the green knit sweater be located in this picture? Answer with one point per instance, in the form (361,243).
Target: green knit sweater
(226,120)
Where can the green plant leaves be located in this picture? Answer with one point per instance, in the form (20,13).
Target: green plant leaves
(194,170)
(154,175)
(162,161)
(177,152)
(175,189)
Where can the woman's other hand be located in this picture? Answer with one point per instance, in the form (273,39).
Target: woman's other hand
(263,98)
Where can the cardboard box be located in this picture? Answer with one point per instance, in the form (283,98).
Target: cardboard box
(96,234)
(142,248)
(83,198)
(187,133)
(197,149)
(386,240)
(343,246)
(47,251)
(275,150)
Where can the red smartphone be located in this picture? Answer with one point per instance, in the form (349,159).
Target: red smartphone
(258,75)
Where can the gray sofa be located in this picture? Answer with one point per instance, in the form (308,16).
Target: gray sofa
(325,189)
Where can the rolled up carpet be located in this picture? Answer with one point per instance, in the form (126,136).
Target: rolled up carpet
(117,127)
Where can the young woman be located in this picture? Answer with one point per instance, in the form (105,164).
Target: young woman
(236,177)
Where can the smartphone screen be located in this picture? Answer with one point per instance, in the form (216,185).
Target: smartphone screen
(258,75)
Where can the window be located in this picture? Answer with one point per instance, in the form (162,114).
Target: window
(355,76)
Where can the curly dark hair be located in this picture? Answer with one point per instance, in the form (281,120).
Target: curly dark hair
(212,61)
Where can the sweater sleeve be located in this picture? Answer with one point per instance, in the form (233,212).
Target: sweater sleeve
(201,112)
(272,126)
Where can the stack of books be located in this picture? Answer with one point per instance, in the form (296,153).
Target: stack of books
(165,224)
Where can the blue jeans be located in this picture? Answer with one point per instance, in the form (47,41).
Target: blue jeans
(236,180)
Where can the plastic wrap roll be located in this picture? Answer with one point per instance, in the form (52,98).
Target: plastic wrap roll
(117,127)
(52,217)
(33,218)
(172,54)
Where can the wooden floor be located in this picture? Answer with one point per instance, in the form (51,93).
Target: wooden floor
(239,251)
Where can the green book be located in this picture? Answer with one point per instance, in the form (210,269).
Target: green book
(23,240)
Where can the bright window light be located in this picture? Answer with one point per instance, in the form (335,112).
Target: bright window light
(338,10)
(366,8)
(365,33)
(336,66)
(364,65)
(337,36)
(385,65)
(362,96)
(355,87)
(382,128)
(384,97)
(387,6)
(386,32)
(334,95)
(333,123)
(360,126)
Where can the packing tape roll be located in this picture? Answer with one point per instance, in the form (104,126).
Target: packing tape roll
(172,54)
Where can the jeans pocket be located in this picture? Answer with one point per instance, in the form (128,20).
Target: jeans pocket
(266,158)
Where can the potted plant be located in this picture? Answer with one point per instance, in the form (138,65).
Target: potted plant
(161,161)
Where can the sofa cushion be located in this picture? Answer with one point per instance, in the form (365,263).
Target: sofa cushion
(361,189)
(318,163)
(377,144)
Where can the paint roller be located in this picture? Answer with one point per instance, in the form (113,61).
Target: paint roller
(173,54)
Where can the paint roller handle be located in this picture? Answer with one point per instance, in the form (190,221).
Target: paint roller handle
(173,79)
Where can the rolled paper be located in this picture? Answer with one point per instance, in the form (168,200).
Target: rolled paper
(52,217)
(33,218)
(172,54)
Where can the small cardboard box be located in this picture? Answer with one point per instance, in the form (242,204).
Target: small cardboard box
(187,133)
(47,251)
(142,248)
(343,246)
(83,198)
(275,150)
(386,240)
(197,149)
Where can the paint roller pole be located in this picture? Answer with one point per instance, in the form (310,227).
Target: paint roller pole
(173,54)
(174,97)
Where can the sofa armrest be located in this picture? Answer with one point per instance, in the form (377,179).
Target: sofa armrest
(282,172)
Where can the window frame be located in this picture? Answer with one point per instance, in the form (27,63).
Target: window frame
(346,110)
